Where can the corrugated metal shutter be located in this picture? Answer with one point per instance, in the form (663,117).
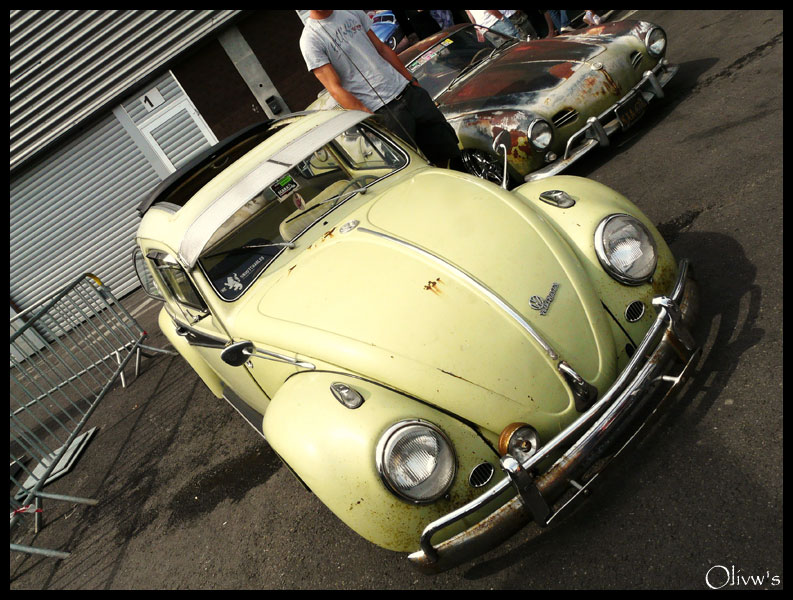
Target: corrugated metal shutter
(69,65)
(174,128)
(179,138)
(170,90)
(76,213)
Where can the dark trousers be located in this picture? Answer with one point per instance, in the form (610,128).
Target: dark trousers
(414,117)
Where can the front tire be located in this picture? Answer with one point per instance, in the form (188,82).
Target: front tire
(485,166)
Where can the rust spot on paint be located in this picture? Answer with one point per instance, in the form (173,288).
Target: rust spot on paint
(290,270)
(613,85)
(328,234)
(594,30)
(457,376)
(562,70)
(432,286)
(663,279)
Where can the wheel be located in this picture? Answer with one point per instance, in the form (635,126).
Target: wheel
(484,165)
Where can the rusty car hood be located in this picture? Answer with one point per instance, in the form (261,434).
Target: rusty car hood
(410,297)
(518,76)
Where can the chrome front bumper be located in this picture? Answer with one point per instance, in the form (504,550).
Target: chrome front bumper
(598,129)
(667,343)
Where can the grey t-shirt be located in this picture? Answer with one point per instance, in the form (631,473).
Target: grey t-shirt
(342,41)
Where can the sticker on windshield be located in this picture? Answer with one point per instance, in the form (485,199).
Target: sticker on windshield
(428,56)
(284,186)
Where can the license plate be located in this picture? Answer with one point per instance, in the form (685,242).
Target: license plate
(631,110)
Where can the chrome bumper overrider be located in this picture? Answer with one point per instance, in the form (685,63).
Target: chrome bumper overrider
(667,343)
(598,129)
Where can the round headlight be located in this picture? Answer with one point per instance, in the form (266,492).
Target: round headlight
(655,41)
(416,461)
(540,134)
(626,249)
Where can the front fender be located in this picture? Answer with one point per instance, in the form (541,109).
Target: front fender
(332,449)
(476,131)
(593,202)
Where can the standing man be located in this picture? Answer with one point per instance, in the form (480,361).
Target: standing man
(495,20)
(363,73)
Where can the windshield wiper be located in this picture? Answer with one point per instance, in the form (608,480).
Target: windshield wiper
(472,64)
(466,70)
(251,247)
(270,245)
(335,198)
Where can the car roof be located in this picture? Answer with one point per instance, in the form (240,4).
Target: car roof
(193,225)
(167,190)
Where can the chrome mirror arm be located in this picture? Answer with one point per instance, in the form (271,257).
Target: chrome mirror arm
(500,142)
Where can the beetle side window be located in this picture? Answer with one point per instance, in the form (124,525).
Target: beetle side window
(147,280)
(176,280)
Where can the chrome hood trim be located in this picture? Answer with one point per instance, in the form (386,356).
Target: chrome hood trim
(495,298)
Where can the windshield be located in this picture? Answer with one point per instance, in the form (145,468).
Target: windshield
(284,209)
(438,67)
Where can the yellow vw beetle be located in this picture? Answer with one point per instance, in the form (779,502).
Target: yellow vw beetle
(438,359)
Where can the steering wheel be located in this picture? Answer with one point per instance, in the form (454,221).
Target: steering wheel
(321,156)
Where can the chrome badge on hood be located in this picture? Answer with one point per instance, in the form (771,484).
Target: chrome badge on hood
(543,304)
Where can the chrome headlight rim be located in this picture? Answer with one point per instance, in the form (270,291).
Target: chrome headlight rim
(648,43)
(383,445)
(605,261)
(531,133)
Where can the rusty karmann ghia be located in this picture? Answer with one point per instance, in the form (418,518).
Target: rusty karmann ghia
(558,98)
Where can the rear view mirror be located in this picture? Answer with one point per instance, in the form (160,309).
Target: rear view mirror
(237,354)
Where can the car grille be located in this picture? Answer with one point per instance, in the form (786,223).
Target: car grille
(634,312)
(564,117)
(481,475)
(636,59)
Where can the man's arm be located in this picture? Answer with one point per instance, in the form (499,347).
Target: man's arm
(329,78)
(385,51)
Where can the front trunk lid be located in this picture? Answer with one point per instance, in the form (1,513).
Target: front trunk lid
(434,290)
(519,75)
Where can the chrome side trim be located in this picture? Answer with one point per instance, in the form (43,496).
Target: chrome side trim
(482,288)
(268,355)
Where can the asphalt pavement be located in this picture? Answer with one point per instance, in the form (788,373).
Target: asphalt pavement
(191,497)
